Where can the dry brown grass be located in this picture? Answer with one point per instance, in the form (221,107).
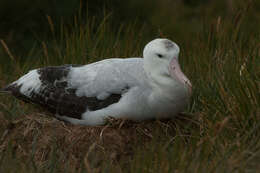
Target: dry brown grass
(40,135)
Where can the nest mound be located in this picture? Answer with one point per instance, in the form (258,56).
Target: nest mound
(41,136)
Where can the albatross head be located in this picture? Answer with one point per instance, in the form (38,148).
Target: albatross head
(161,63)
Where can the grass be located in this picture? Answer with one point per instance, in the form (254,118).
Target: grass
(219,132)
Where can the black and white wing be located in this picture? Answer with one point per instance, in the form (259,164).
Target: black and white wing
(72,90)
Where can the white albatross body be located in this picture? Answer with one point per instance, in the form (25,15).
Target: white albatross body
(132,88)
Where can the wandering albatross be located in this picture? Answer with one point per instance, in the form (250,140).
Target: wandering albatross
(152,87)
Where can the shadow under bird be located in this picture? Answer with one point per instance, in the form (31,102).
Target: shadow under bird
(152,87)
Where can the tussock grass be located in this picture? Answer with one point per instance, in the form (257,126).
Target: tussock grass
(219,132)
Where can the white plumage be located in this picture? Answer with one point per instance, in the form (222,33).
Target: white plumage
(133,88)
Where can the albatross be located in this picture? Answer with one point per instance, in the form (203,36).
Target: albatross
(152,87)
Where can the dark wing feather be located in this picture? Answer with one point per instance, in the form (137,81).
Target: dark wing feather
(54,96)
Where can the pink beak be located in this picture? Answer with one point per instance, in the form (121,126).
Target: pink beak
(176,73)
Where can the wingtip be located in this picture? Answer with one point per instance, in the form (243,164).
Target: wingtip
(5,90)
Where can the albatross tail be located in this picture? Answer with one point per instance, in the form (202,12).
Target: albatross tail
(5,90)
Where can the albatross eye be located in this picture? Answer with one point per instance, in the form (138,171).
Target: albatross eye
(159,55)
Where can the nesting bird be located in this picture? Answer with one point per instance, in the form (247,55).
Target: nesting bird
(131,88)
